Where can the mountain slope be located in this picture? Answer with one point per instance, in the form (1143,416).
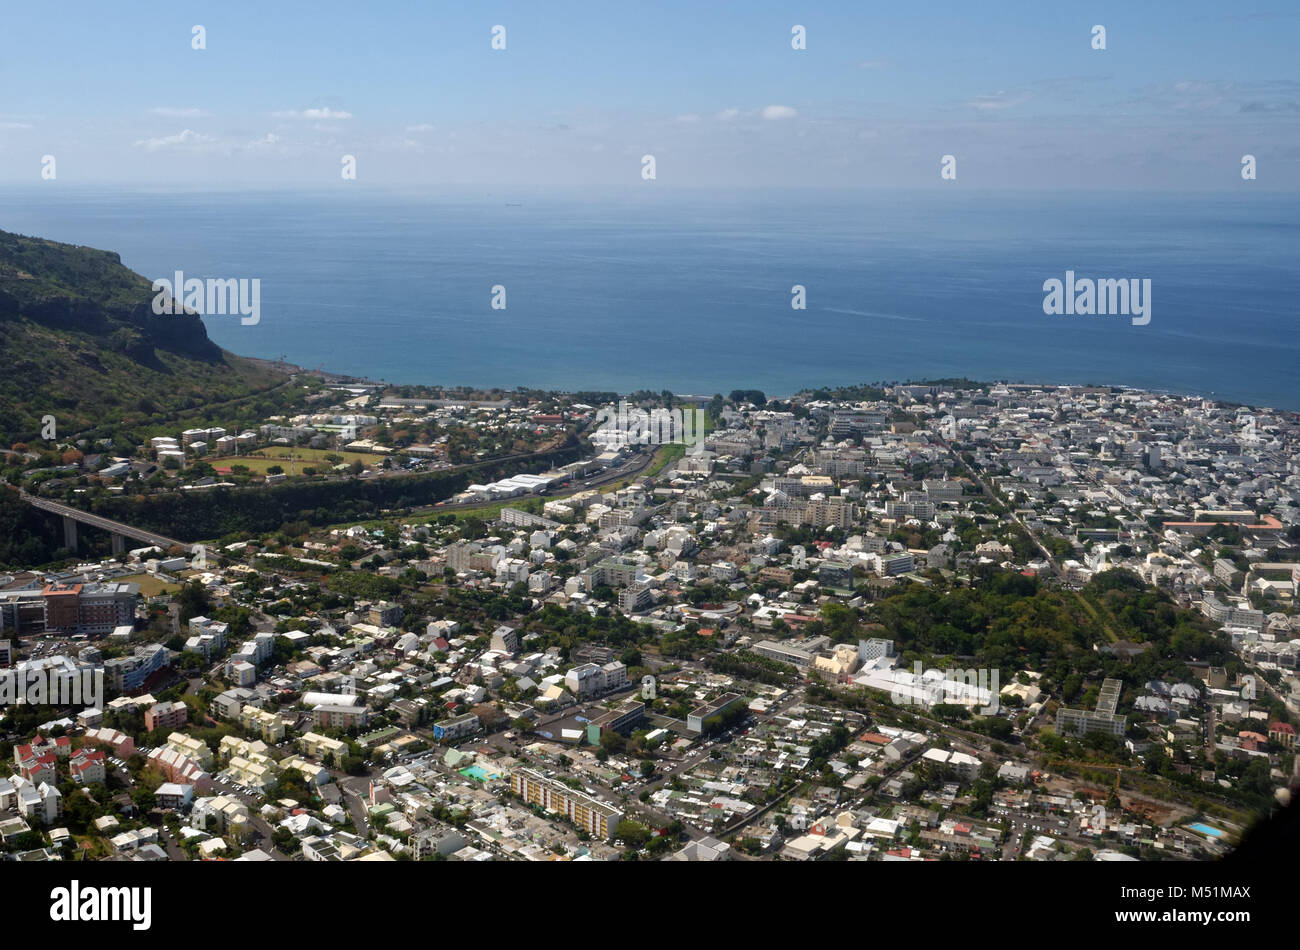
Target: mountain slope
(79,341)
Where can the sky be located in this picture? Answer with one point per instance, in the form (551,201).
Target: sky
(117,94)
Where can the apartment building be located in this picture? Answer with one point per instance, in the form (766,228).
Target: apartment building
(88,767)
(1232,614)
(268,725)
(41,803)
(174,796)
(696,718)
(195,749)
(892,565)
(901,510)
(323,747)
(69,609)
(635,598)
(825,512)
(597,818)
(123,746)
(208,637)
(505,639)
(589,679)
(36,765)
(611,572)
(225,812)
(1078,722)
(166,716)
(337,716)
(128,674)
(458,727)
(178,767)
(620,719)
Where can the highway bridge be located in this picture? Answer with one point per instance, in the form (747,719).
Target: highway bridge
(119,531)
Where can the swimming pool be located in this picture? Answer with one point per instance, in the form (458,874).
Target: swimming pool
(1206,830)
(479,773)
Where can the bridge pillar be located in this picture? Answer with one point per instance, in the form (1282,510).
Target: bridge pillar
(119,543)
(69,533)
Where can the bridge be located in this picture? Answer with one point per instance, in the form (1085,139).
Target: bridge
(119,531)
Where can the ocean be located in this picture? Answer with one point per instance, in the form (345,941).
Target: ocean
(651,288)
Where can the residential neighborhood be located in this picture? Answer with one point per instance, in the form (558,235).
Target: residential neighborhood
(927,622)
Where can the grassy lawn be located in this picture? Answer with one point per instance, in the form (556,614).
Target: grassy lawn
(259,461)
(150,586)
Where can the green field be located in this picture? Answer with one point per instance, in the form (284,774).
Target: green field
(260,460)
(150,586)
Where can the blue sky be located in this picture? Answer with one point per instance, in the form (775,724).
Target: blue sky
(713,90)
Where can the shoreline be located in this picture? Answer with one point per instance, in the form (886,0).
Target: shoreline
(336,378)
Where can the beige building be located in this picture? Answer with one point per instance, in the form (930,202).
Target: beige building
(595,817)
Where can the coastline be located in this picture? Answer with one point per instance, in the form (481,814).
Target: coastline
(337,378)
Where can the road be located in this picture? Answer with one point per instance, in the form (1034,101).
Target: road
(355,792)
(988,493)
(95,521)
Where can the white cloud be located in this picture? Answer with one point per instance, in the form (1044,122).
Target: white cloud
(14,125)
(174,112)
(184,139)
(873,64)
(999,101)
(420,127)
(689,119)
(779,112)
(729,114)
(325,113)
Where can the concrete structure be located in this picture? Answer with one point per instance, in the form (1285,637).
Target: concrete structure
(597,818)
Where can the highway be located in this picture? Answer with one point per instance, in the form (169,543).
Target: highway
(105,524)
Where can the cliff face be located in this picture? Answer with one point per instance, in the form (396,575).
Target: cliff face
(79,340)
(86,291)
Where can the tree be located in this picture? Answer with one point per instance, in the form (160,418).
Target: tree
(632,834)
(194,601)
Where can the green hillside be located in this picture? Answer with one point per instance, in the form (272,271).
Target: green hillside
(79,341)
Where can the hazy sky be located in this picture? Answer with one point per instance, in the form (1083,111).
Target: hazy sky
(415,91)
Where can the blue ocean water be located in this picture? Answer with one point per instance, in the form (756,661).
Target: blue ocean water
(691,291)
